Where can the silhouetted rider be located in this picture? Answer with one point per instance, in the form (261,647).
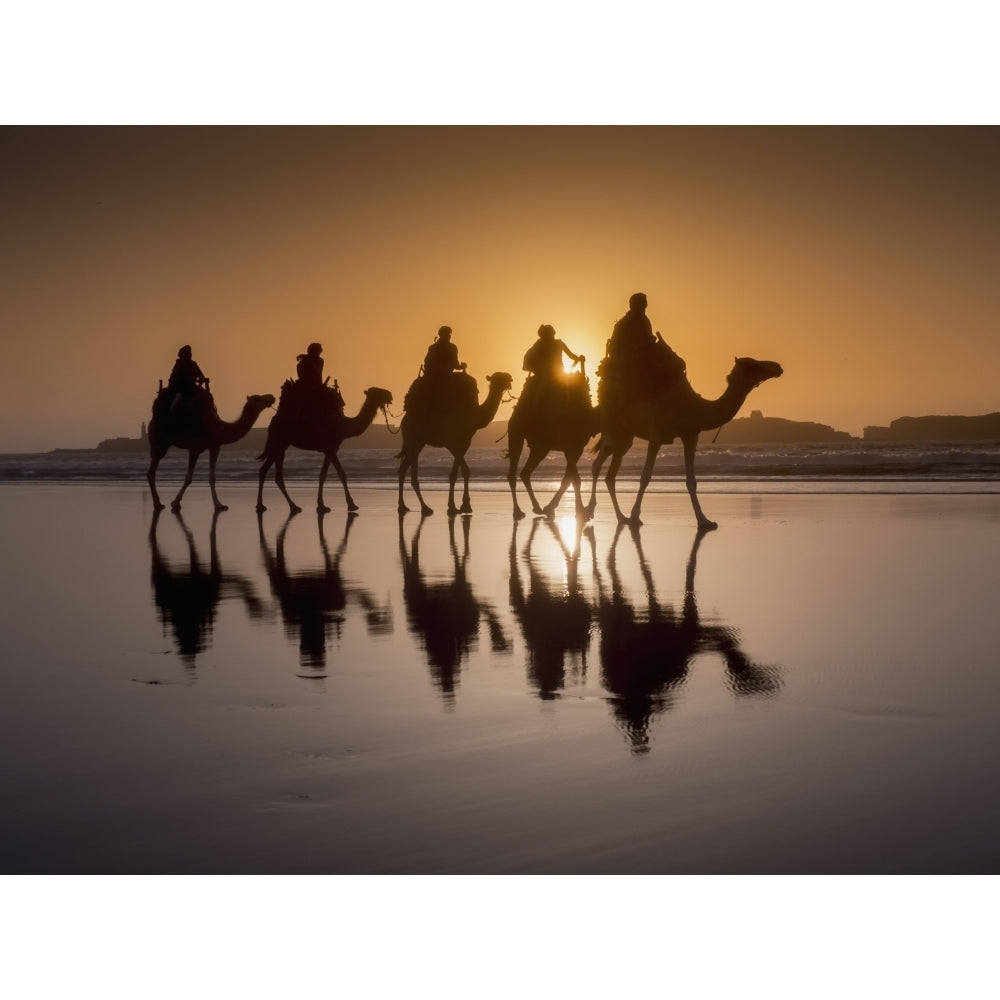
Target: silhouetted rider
(442,356)
(638,359)
(309,366)
(185,378)
(544,358)
(544,361)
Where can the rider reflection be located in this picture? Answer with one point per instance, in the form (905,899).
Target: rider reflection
(646,653)
(313,601)
(445,614)
(555,619)
(186,599)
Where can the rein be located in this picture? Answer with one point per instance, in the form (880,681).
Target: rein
(751,389)
(388,426)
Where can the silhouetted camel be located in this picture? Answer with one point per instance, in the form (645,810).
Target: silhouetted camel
(562,419)
(678,412)
(445,614)
(555,620)
(646,652)
(452,429)
(186,599)
(313,600)
(291,427)
(196,433)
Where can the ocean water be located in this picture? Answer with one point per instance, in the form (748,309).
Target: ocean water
(855,466)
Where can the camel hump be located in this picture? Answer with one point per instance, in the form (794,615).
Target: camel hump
(184,414)
(310,401)
(550,400)
(624,376)
(443,394)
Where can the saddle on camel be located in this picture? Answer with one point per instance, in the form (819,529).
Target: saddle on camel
(443,387)
(549,389)
(637,364)
(185,404)
(310,396)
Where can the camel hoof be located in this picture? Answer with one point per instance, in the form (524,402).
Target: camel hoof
(707,525)
(518,514)
(403,509)
(466,508)
(220,507)
(426,511)
(175,507)
(322,509)
(261,508)
(351,506)
(293,510)
(159,506)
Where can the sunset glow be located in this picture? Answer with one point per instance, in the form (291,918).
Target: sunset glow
(861,259)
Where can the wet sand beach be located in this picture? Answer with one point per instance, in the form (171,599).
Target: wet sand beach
(811,688)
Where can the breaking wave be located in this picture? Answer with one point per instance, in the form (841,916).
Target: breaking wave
(854,465)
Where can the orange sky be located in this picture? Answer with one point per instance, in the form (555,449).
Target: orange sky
(863,259)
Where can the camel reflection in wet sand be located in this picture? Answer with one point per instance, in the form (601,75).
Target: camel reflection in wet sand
(186,599)
(645,655)
(313,601)
(444,614)
(555,620)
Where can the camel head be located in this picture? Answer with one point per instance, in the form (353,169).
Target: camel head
(258,404)
(380,397)
(748,373)
(500,380)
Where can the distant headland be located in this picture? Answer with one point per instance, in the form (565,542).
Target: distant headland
(755,429)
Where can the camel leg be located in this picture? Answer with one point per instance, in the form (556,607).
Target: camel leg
(573,472)
(610,480)
(647,473)
(279,478)
(534,460)
(571,477)
(452,479)
(595,471)
(690,445)
(188,479)
(154,462)
(415,483)
(213,458)
(321,507)
(404,464)
(261,477)
(513,457)
(351,505)
(466,507)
